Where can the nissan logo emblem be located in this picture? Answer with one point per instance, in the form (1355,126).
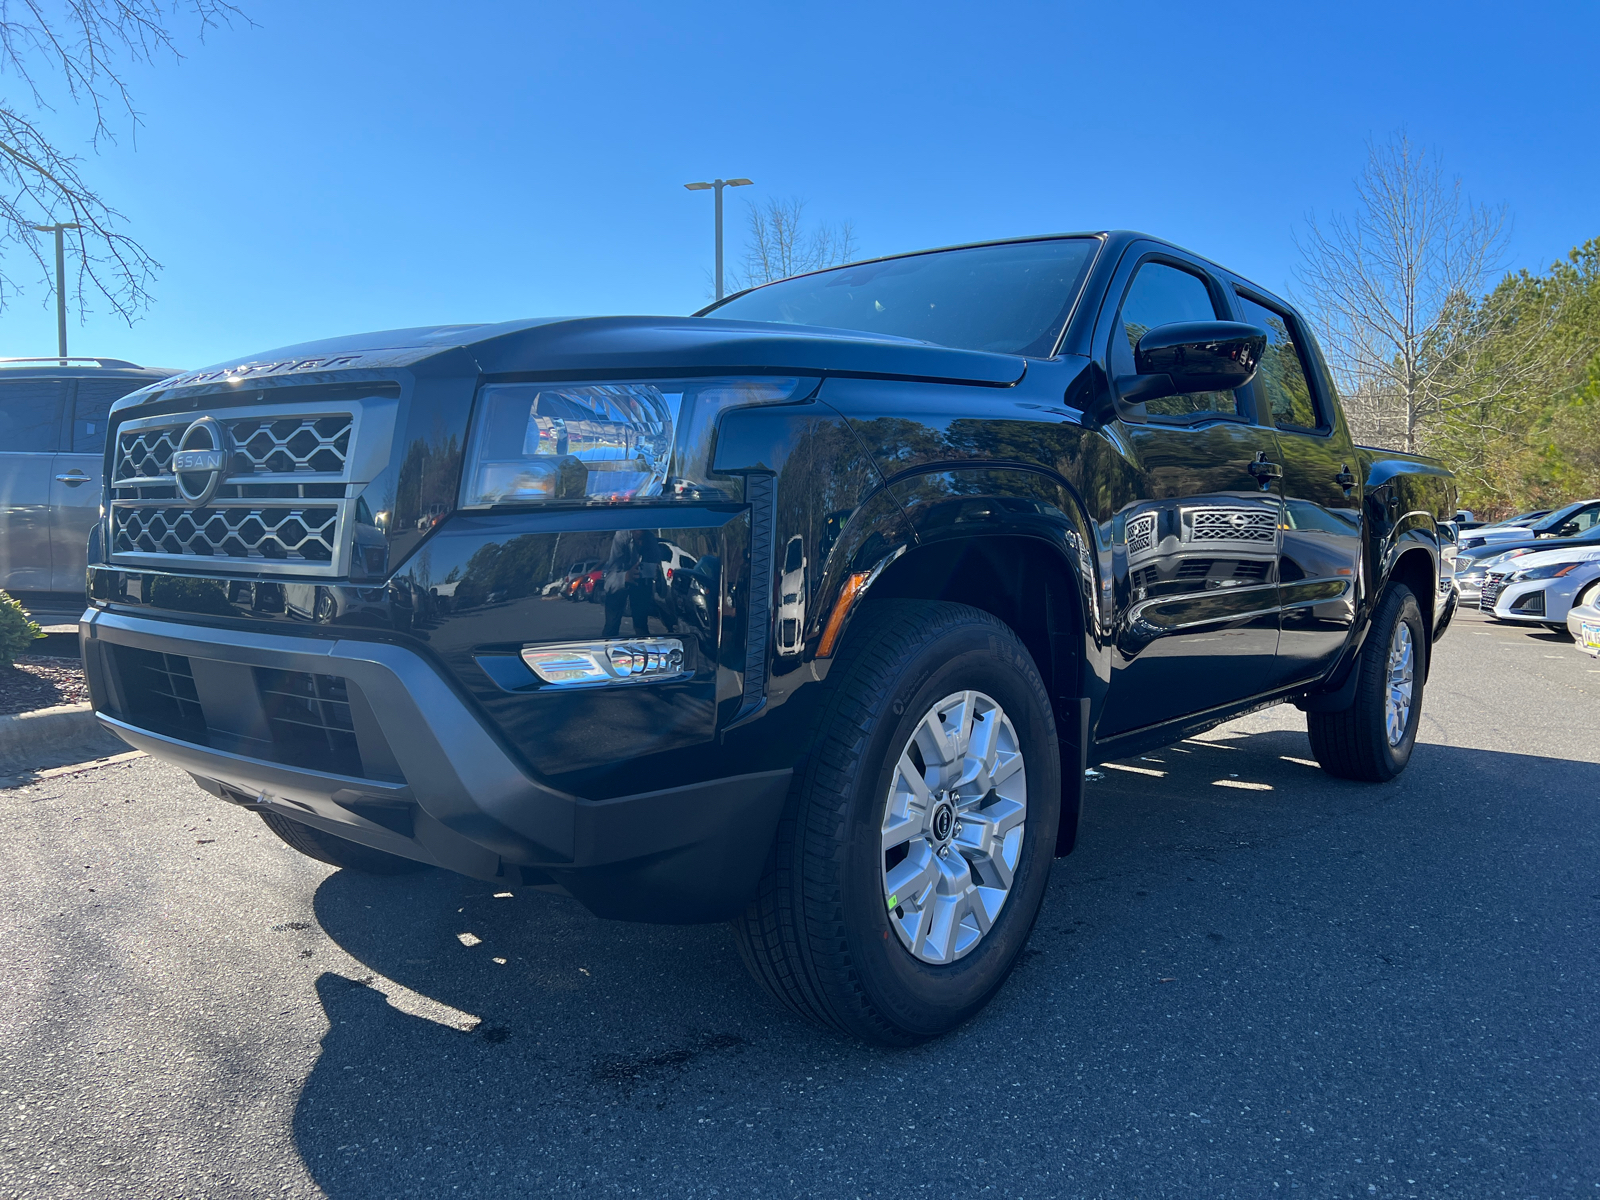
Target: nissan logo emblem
(198,463)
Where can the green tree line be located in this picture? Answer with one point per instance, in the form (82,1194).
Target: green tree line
(1537,443)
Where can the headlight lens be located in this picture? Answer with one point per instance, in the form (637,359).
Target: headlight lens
(1548,571)
(604,442)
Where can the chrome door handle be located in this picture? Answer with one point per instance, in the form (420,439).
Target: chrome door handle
(72,478)
(1263,471)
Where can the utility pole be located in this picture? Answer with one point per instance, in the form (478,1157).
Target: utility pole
(61,283)
(718,184)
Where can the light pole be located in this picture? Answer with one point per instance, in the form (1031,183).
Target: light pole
(61,289)
(718,184)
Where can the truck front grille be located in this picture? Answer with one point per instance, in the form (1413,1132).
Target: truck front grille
(1141,535)
(1253,525)
(279,503)
(242,531)
(259,446)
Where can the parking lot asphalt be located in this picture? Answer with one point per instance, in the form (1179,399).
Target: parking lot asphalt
(1250,980)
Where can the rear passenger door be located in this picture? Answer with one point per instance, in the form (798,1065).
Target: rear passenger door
(1198,598)
(76,477)
(30,431)
(1321,549)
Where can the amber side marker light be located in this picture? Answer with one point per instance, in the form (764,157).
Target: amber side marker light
(853,587)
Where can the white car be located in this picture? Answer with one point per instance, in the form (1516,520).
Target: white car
(1583,622)
(1540,589)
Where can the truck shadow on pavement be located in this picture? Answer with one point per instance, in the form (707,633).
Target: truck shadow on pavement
(1228,904)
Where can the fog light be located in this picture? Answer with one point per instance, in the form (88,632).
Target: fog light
(1531,605)
(631,660)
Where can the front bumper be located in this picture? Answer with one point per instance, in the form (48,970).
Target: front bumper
(1535,601)
(383,751)
(1583,622)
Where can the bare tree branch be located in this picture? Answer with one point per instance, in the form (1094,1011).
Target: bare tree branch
(780,245)
(1394,288)
(77,51)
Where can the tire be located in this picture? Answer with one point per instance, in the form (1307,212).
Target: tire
(820,935)
(1356,743)
(338,851)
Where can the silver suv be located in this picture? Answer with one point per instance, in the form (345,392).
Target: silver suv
(52,452)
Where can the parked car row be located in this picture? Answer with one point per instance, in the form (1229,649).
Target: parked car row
(1567,521)
(1534,568)
(1541,588)
(1474,564)
(1537,568)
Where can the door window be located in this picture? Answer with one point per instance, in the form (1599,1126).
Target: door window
(1159,295)
(1282,380)
(92,408)
(30,415)
(1584,519)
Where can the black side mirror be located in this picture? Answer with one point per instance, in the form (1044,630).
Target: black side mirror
(1189,356)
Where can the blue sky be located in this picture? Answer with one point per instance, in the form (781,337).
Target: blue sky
(348,166)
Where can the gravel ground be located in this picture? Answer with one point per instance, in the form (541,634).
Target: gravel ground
(41,681)
(1250,980)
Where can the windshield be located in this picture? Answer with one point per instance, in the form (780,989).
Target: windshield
(1562,515)
(1011,299)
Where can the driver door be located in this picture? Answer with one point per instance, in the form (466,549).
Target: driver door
(1196,553)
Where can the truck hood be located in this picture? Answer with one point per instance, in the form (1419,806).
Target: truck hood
(630,345)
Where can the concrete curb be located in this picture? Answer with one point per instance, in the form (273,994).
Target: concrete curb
(49,737)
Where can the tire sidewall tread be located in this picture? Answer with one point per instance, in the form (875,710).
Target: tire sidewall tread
(1354,743)
(818,934)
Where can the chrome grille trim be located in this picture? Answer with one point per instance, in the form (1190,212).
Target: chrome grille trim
(1141,535)
(297,445)
(1493,584)
(1231,525)
(250,531)
(284,504)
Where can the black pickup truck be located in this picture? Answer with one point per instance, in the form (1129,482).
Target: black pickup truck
(808,612)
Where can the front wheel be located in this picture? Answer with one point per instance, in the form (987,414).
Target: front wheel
(914,851)
(1372,740)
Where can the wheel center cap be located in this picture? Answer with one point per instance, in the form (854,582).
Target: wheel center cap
(944,821)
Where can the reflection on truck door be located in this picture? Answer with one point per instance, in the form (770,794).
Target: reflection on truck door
(1198,606)
(1322,517)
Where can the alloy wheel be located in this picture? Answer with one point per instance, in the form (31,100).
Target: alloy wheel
(953,827)
(1402,666)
